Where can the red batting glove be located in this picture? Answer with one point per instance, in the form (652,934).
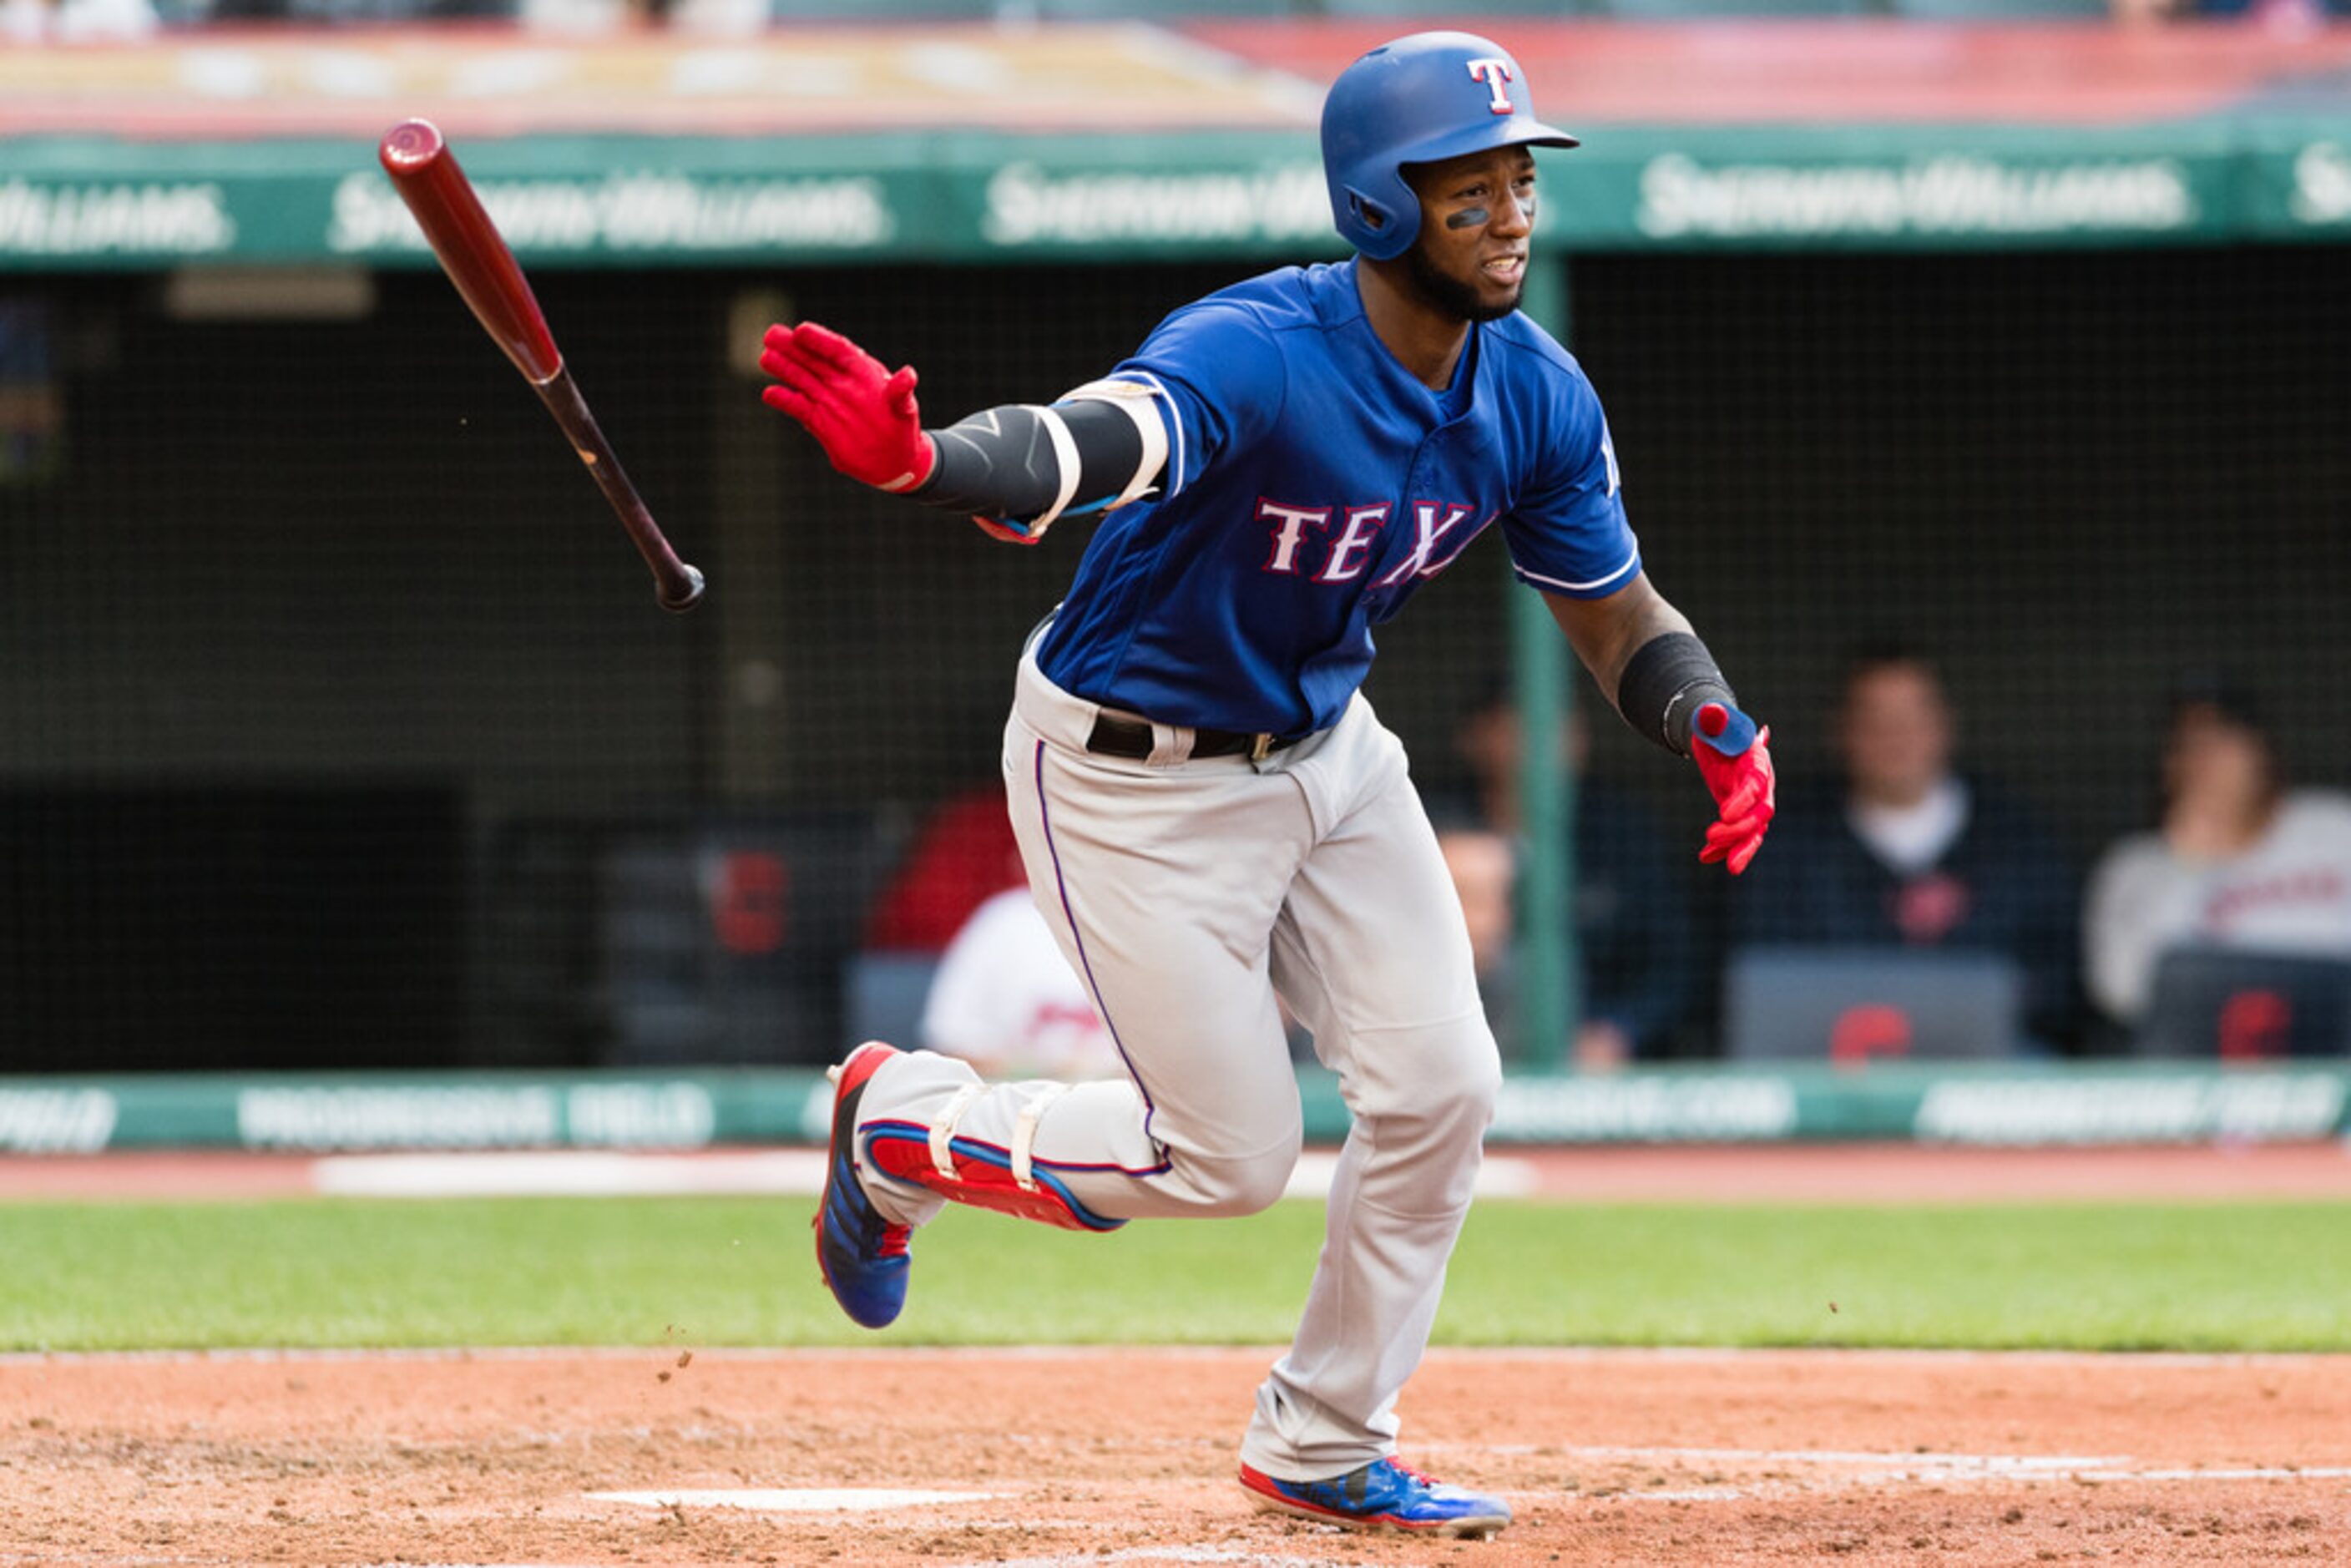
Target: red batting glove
(1735,760)
(862,415)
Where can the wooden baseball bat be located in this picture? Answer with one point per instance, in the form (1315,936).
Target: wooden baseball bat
(474,256)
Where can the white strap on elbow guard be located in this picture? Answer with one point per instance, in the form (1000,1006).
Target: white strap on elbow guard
(1065,459)
(1137,401)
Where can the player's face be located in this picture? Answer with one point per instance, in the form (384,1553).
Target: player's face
(1477,215)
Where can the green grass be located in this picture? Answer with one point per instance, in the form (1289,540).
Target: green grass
(712,1272)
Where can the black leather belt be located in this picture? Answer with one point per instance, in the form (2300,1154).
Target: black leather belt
(1115,737)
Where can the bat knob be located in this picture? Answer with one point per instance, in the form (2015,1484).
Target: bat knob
(679,604)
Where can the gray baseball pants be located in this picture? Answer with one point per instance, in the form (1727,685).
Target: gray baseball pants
(1186,892)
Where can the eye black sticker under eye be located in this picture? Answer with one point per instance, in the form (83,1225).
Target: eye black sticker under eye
(1468,218)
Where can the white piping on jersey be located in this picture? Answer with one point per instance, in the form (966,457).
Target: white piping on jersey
(1175,419)
(1630,562)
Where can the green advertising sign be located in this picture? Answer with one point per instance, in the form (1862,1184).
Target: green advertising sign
(2300,188)
(50,221)
(2026,1106)
(74,203)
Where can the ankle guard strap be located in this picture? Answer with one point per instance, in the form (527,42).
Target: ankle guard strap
(984,1174)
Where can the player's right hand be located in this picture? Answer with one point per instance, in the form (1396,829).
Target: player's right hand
(862,414)
(1734,757)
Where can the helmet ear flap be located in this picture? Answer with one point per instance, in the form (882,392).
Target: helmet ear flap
(1380,230)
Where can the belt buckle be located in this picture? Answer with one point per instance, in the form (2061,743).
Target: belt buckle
(1262,746)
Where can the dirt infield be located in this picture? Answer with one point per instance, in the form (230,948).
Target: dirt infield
(1076,1459)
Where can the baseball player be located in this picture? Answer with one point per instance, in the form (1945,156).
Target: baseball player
(1209,811)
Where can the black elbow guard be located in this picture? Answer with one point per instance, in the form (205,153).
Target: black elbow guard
(1032,463)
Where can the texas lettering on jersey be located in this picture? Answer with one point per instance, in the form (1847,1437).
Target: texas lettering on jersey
(1349,551)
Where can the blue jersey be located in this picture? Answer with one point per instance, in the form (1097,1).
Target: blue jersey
(1312,486)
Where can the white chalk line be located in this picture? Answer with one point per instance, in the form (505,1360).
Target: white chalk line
(1831,1470)
(779,1173)
(796,1500)
(1144,1554)
(2255,1473)
(1875,1468)
(1857,1458)
(82,1560)
(790,1172)
(1929,1468)
(842,1500)
(1176,1554)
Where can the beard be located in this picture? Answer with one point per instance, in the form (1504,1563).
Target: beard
(1451,295)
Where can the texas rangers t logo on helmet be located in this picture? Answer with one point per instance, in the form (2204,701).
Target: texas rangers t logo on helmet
(1494,73)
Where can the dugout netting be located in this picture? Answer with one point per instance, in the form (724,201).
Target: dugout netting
(338,727)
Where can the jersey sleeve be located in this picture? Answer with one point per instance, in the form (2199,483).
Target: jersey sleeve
(1216,377)
(1567,531)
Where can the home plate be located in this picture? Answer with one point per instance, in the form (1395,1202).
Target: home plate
(810,1500)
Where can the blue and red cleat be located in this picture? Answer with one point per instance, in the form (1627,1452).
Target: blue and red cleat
(1382,1496)
(862,1255)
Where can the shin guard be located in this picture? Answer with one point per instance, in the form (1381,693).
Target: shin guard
(984,1174)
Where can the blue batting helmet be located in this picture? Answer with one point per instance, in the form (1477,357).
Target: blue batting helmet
(1419,100)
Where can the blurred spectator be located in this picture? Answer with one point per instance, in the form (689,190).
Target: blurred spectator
(342,13)
(2237,859)
(1634,939)
(965,854)
(1485,872)
(1006,1001)
(1483,864)
(1906,853)
(2291,19)
(77,21)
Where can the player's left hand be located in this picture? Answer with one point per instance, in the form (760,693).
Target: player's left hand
(863,415)
(1734,757)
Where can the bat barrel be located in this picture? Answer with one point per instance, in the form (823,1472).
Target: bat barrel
(426,175)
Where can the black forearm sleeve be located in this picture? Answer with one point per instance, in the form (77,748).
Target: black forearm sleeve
(1668,678)
(1002,461)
